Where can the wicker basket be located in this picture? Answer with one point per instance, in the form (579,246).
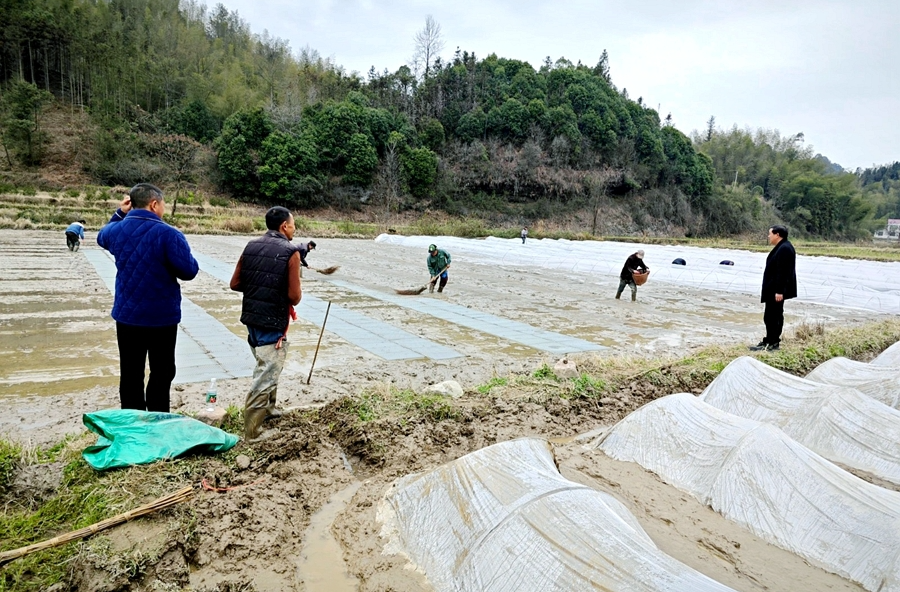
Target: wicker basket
(640,278)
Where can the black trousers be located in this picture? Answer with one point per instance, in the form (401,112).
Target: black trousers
(774,320)
(136,344)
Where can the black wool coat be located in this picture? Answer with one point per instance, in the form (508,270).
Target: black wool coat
(780,276)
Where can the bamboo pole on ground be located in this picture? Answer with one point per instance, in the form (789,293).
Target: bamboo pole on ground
(316,355)
(162,503)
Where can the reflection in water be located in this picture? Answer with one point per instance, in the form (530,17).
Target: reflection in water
(322,567)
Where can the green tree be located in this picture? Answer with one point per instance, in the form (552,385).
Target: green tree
(288,163)
(238,150)
(431,134)
(196,121)
(472,125)
(420,167)
(362,160)
(21,107)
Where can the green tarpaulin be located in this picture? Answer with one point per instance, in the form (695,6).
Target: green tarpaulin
(131,437)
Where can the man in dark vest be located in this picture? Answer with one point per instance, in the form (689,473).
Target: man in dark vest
(779,284)
(268,273)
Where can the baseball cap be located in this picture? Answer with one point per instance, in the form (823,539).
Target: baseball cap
(432,248)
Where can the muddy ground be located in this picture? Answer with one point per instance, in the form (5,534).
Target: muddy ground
(272,531)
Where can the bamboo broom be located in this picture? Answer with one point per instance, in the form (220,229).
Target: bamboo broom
(328,270)
(162,503)
(417,291)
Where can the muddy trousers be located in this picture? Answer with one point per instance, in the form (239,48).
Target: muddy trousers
(444,278)
(774,320)
(261,398)
(631,284)
(136,345)
(73,241)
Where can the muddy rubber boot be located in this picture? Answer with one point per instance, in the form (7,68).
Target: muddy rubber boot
(440,289)
(253,420)
(634,296)
(431,288)
(619,296)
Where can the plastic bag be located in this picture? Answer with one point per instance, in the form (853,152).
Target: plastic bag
(131,437)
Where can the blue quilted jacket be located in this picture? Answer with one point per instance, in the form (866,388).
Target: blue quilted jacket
(151,257)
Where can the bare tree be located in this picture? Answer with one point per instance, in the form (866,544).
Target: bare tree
(178,154)
(388,182)
(429,42)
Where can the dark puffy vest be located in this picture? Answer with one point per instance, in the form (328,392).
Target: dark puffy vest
(264,278)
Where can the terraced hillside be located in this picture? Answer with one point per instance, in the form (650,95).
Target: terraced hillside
(56,210)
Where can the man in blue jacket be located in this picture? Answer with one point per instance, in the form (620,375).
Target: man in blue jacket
(151,257)
(779,284)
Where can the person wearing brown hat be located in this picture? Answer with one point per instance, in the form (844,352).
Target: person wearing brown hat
(634,263)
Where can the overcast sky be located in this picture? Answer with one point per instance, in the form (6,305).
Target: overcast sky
(829,69)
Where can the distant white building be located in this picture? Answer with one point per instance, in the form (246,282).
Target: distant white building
(891,231)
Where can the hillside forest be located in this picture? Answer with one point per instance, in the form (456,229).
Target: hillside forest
(191,98)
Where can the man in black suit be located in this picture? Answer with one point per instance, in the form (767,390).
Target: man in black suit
(779,284)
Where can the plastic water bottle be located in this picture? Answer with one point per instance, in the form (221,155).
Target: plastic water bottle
(211,395)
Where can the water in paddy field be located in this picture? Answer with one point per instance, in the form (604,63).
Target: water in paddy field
(57,338)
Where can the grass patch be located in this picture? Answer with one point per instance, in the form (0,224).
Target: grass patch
(545,371)
(83,497)
(485,389)
(588,386)
(404,404)
(10,454)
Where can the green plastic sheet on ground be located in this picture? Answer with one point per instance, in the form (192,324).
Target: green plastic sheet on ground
(131,437)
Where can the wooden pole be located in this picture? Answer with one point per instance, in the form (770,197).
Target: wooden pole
(316,355)
(159,504)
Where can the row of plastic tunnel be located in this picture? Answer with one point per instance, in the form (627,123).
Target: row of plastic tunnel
(768,450)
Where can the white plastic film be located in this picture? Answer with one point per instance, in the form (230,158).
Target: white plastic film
(889,357)
(755,475)
(882,383)
(503,519)
(837,422)
(868,285)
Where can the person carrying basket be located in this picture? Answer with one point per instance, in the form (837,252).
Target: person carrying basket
(634,273)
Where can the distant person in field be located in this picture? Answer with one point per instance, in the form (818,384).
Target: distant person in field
(75,234)
(151,257)
(304,250)
(779,284)
(268,273)
(524,234)
(438,263)
(635,262)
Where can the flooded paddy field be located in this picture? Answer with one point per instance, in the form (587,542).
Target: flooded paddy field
(302,513)
(58,354)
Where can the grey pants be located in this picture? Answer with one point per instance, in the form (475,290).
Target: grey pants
(631,284)
(269,364)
